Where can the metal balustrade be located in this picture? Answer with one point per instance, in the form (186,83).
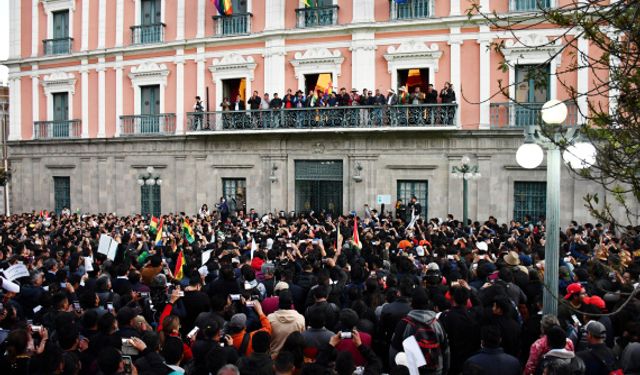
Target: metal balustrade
(160,124)
(411,9)
(427,115)
(317,16)
(57,129)
(528,5)
(147,34)
(57,46)
(520,115)
(235,24)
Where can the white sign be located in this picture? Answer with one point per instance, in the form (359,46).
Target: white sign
(88,264)
(108,246)
(16,271)
(383,199)
(205,256)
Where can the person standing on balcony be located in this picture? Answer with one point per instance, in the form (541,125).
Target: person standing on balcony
(431,99)
(275,105)
(265,115)
(239,104)
(225,105)
(417,98)
(343,98)
(288,99)
(254,105)
(199,109)
(448,96)
(391,100)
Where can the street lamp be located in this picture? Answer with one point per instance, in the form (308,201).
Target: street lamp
(465,171)
(149,178)
(578,155)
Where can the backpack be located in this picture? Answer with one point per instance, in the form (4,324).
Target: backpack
(429,343)
(611,366)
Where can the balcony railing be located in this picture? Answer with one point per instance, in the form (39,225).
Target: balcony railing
(428,115)
(57,129)
(520,115)
(528,5)
(235,24)
(147,34)
(57,46)
(412,9)
(160,124)
(314,17)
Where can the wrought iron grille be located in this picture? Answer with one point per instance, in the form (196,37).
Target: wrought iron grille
(57,46)
(519,115)
(419,188)
(529,198)
(150,200)
(57,129)
(146,34)
(317,16)
(163,123)
(411,9)
(235,24)
(426,115)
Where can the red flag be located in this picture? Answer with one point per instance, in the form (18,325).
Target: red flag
(356,236)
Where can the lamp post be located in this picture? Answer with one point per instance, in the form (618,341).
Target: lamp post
(465,171)
(529,155)
(149,178)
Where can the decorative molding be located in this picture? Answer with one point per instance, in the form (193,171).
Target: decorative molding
(412,54)
(59,82)
(412,167)
(232,166)
(413,50)
(60,166)
(233,64)
(145,166)
(149,74)
(519,168)
(531,49)
(56,5)
(315,60)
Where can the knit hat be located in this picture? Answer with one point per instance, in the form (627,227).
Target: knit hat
(238,321)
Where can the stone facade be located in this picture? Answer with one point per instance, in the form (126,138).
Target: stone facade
(104,173)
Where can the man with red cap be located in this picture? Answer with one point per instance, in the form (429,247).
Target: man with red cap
(572,301)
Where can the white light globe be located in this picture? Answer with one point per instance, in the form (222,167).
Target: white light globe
(140,182)
(529,155)
(465,160)
(151,182)
(159,182)
(150,169)
(580,155)
(554,112)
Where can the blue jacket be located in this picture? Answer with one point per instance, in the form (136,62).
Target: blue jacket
(492,361)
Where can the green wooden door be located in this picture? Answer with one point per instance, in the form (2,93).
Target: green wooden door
(531,93)
(60,126)
(319,186)
(60,44)
(61,193)
(150,200)
(151,32)
(150,109)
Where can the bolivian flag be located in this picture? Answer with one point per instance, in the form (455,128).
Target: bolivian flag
(188,231)
(159,235)
(178,274)
(356,236)
(153,225)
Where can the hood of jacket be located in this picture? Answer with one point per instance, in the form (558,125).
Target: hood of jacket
(286,316)
(422,316)
(560,353)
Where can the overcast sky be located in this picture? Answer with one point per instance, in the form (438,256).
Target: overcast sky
(4,37)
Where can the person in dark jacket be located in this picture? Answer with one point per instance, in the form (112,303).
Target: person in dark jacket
(420,314)
(509,328)
(462,329)
(398,307)
(560,361)
(598,358)
(150,361)
(259,361)
(195,301)
(491,359)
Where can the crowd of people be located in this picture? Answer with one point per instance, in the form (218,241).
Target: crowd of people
(313,293)
(379,109)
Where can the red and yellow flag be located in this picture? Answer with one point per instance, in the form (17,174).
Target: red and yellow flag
(178,274)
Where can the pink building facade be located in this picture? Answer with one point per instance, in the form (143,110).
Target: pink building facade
(101,67)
